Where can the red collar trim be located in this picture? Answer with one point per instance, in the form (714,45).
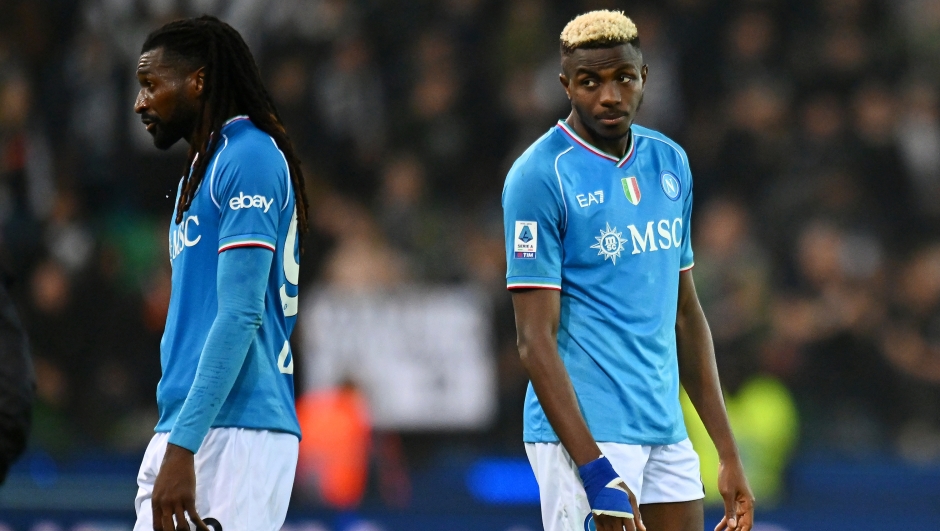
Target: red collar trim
(631,148)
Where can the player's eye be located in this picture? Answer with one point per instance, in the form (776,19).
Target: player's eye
(589,83)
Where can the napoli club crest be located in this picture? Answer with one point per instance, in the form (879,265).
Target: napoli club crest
(671,186)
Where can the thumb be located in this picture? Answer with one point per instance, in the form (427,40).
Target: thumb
(637,518)
(731,512)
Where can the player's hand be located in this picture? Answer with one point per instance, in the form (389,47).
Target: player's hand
(739,501)
(174,492)
(605,522)
(614,506)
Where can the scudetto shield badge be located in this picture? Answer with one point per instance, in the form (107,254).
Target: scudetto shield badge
(631,189)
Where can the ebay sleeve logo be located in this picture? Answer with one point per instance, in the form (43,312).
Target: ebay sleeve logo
(250,201)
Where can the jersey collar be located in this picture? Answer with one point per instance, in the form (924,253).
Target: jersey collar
(234,119)
(631,146)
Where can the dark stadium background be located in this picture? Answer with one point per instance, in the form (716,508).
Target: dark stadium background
(813,130)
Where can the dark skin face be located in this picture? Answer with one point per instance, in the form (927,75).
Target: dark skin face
(170,97)
(605,86)
(169,103)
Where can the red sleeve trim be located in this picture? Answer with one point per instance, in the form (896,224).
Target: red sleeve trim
(237,245)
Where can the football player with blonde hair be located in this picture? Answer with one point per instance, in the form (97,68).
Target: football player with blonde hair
(597,222)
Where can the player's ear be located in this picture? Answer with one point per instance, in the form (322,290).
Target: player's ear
(564,82)
(197,82)
(643,73)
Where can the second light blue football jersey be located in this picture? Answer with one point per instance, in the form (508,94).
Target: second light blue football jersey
(245,199)
(612,235)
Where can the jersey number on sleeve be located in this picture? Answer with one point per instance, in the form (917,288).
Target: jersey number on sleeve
(288,303)
(291,269)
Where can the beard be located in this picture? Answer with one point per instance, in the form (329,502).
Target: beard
(598,130)
(181,123)
(594,125)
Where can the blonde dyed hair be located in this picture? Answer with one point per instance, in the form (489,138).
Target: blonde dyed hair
(598,28)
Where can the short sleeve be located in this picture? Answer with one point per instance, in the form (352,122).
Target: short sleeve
(250,187)
(533,220)
(687,259)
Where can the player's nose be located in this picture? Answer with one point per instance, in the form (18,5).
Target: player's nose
(610,95)
(140,104)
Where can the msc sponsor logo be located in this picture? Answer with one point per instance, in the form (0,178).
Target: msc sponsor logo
(662,234)
(610,244)
(184,235)
(250,201)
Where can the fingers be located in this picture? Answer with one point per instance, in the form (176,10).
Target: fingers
(612,523)
(730,520)
(744,509)
(162,520)
(605,522)
(181,523)
(194,516)
(159,519)
(163,517)
(637,518)
(740,518)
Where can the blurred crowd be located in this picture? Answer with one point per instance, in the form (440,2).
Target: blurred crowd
(812,126)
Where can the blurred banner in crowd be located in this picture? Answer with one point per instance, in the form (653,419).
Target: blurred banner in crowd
(423,356)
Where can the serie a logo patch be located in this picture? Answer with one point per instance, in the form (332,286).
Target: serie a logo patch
(527,239)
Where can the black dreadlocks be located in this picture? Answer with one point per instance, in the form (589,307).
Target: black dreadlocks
(232,87)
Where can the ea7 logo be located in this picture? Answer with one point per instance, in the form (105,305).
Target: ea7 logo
(250,201)
(591,198)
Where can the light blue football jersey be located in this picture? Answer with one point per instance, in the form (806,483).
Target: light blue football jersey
(611,235)
(245,199)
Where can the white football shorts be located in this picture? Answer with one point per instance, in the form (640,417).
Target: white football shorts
(243,479)
(655,474)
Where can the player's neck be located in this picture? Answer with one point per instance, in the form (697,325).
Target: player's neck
(616,147)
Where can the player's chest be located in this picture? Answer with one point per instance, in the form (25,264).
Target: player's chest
(638,194)
(196,235)
(614,212)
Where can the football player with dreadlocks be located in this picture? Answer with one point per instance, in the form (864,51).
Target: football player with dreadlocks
(226,444)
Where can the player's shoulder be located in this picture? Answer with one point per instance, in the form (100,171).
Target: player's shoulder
(657,141)
(244,143)
(248,160)
(538,161)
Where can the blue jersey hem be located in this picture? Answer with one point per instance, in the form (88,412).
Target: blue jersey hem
(294,432)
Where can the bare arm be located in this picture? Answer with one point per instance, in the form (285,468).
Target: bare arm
(698,373)
(698,370)
(537,314)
